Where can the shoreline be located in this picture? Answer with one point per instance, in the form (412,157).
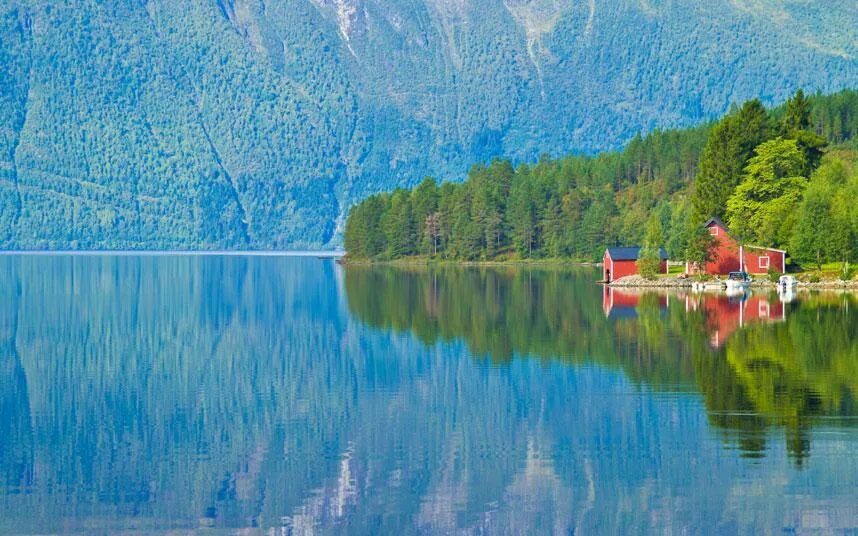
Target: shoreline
(674,282)
(422,261)
(170,253)
(636,281)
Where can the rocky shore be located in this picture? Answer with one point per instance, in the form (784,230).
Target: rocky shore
(659,282)
(636,281)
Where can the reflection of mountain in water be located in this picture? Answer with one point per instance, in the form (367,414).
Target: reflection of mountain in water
(233,392)
(757,361)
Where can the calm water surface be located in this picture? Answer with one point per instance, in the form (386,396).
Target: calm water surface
(175,393)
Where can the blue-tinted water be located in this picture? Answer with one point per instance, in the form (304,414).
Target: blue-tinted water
(150,394)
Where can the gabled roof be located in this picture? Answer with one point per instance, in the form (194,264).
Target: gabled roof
(631,253)
(716,221)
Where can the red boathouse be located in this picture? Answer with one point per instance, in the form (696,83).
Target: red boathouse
(731,256)
(622,261)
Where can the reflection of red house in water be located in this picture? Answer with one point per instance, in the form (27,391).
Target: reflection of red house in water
(725,315)
(734,257)
(618,303)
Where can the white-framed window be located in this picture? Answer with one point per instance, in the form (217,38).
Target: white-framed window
(714,230)
(764,262)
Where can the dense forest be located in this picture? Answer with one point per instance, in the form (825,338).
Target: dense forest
(248,124)
(782,177)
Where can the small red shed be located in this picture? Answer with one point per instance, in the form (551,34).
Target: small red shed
(731,256)
(622,261)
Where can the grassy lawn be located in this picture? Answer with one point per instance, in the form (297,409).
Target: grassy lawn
(676,270)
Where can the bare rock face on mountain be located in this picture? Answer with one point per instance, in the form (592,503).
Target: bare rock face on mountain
(257,123)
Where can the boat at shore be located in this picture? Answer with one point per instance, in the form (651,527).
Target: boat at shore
(738,282)
(704,286)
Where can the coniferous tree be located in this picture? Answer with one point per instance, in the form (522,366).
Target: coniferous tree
(730,145)
(522,217)
(649,263)
(577,205)
(424,202)
(798,110)
(398,225)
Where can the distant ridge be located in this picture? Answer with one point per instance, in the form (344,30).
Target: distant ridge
(236,124)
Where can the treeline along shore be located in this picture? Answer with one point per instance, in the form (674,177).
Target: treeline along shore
(784,177)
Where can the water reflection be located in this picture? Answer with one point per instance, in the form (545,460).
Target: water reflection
(176,393)
(760,360)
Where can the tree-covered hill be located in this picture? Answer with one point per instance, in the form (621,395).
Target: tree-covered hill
(785,177)
(251,124)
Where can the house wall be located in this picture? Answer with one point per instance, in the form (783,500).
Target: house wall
(727,252)
(624,268)
(753,259)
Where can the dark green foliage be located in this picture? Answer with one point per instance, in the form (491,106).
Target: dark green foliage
(798,110)
(762,208)
(827,218)
(556,208)
(649,264)
(576,206)
(700,247)
(731,144)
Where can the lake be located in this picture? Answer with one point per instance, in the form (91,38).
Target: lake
(163,393)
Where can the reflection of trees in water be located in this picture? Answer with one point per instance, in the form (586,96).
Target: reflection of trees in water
(122,363)
(551,314)
(782,366)
(16,440)
(234,391)
(231,392)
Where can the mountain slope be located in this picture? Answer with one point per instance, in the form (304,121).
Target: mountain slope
(256,124)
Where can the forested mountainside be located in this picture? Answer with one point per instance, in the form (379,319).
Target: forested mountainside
(785,177)
(256,124)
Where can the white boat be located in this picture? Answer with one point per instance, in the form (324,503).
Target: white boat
(703,286)
(738,282)
(786,282)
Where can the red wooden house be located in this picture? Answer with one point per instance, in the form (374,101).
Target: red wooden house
(622,261)
(731,256)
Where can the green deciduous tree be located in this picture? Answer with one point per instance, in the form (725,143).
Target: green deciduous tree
(701,247)
(763,206)
(825,228)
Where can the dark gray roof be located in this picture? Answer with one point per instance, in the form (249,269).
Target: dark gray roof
(631,253)
(717,221)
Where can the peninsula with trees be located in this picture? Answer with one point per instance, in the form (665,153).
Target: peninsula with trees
(785,177)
